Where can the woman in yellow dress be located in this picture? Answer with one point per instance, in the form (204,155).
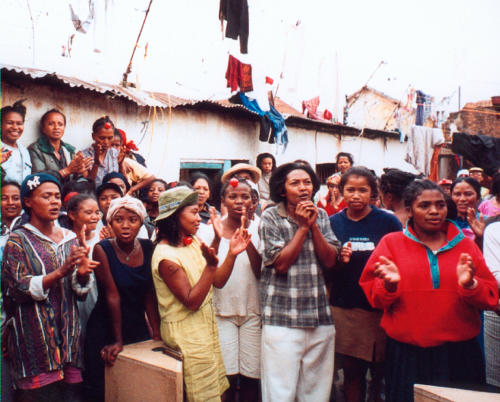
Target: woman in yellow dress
(184,270)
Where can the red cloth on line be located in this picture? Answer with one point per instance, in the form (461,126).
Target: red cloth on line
(239,74)
(311,106)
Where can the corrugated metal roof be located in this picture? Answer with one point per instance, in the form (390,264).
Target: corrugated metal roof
(142,98)
(158,99)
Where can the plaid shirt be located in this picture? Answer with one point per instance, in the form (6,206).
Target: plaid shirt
(110,163)
(297,299)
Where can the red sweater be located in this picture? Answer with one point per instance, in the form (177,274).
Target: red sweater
(429,307)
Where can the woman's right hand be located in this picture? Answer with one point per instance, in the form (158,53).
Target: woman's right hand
(106,233)
(386,270)
(6,154)
(346,253)
(110,352)
(216,222)
(76,257)
(210,256)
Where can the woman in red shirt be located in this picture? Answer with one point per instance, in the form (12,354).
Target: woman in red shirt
(432,283)
(333,202)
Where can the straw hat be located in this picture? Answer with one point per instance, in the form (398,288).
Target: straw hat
(239,167)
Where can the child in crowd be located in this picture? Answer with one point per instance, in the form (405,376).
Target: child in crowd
(359,340)
(266,163)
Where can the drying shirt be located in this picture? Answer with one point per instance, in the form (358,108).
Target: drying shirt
(421,143)
(429,308)
(364,236)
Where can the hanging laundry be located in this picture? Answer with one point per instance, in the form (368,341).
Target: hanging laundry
(278,133)
(482,150)
(235,12)
(421,143)
(423,108)
(327,115)
(239,74)
(80,24)
(311,106)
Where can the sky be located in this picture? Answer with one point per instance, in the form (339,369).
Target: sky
(325,48)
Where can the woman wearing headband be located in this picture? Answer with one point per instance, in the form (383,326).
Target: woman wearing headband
(125,293)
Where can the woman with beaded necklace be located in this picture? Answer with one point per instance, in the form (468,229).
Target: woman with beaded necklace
(126,293)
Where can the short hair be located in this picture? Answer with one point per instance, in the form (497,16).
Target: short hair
(262,156)
(345,154)
(46,114)
(116,175)
(100,122)
(75,202)
(17,107)
(471,182)
(81,186)
(169,229)
(362,172)
(226,184)
(394,181)
(495,185)
(416,188)
(10,183)
(278,179)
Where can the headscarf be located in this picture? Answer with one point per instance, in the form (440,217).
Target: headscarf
(127,202)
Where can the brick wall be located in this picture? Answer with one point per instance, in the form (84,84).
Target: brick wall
(476,118)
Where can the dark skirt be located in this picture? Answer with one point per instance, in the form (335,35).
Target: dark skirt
(453,364)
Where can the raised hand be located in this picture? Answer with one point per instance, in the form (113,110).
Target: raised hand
(122,154)
(346,252)
(476,225)
(306,213)
(244,218)
(76,257)
(106,233)
(216,222)
(386,270)
(239,241)
(210,256)
(6,154)
(466,271)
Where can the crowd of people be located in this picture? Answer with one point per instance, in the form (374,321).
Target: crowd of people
(277,294)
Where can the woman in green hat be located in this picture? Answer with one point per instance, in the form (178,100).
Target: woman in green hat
(184,271)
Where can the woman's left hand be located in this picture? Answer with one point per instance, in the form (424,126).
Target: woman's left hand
(476,225)
(466,271)
(110,352)
(240,241)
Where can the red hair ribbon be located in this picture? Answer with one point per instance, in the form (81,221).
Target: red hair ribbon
(130,145)
(234,182)
(69,196)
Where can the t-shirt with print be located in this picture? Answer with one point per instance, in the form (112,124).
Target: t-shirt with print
(364,236)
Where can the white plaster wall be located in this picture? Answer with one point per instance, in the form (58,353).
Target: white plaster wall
(190,135)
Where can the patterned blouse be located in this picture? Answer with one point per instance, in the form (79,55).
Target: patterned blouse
(42,328)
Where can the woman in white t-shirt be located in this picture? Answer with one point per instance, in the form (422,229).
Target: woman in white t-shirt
(237,305)
(15,161)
